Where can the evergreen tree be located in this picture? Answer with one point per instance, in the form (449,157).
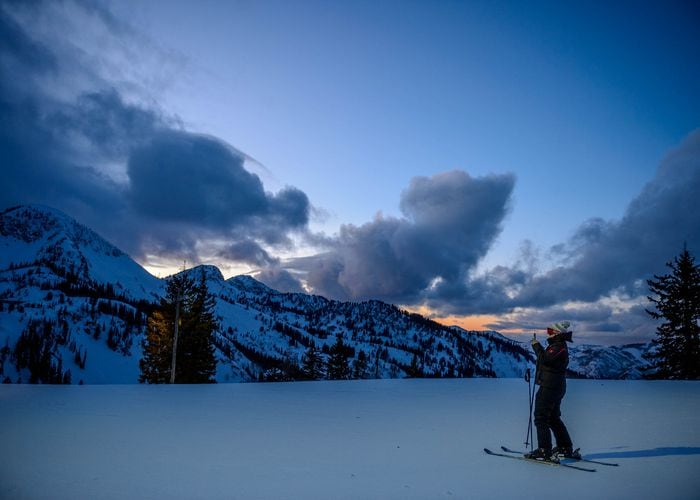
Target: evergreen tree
(377,368)
(197,337)
(195,361)
(160,327)
(677,301)
(312,363)
(338,367)
(359,366)
(37,350)
(414,371)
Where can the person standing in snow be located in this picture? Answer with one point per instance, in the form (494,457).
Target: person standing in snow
(551,377)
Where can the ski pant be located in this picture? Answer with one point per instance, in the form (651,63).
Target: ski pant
(548,418)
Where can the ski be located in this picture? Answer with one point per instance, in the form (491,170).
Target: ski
(609,464)
(551,464)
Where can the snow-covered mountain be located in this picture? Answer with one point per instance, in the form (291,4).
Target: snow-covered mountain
(48,240)
(73,308)
(610,362)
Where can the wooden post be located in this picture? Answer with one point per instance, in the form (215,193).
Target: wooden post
(177,328)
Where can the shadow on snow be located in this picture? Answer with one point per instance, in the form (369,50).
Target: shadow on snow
(654,452)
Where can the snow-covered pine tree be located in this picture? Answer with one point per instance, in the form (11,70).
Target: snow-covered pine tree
(195,361)
(676,298)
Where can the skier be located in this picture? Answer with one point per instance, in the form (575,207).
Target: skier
(551,377)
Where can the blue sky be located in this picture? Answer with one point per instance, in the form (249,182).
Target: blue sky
(478,161)
(368,96)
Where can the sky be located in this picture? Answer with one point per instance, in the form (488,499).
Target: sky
(497,165)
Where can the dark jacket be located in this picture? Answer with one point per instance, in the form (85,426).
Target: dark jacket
(552,362)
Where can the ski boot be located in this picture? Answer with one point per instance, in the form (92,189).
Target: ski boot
(541,455)
(566,452)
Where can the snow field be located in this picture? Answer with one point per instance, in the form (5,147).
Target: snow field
(378,439)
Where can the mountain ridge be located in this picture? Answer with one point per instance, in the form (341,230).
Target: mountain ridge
(66,291)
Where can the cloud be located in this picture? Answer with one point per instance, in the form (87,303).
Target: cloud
(449,222)
(22,53)
(75,137)
(609,255)
(607,321)
(601,259)
(55,138)
(109,127)
(603,262)
(199,181)
(249,252)
(280,279)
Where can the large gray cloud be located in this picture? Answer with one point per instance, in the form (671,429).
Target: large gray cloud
(603,263)
(622,254)
(72,138)
(250,252)
(449,222)
(198,180)
(279,278)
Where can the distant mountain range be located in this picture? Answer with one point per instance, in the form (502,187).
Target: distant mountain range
(73,309)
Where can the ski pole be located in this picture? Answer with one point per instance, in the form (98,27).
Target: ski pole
(529,439)
(529,398)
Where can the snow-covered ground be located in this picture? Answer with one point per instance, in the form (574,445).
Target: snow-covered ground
(380,439)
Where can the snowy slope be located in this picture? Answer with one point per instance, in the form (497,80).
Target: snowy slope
(39,235)
(71,300)
(384,440)
(613,362)
(66,292)
(265,332)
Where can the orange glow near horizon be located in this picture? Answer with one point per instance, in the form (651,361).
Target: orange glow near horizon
(478,322)
(475,322)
